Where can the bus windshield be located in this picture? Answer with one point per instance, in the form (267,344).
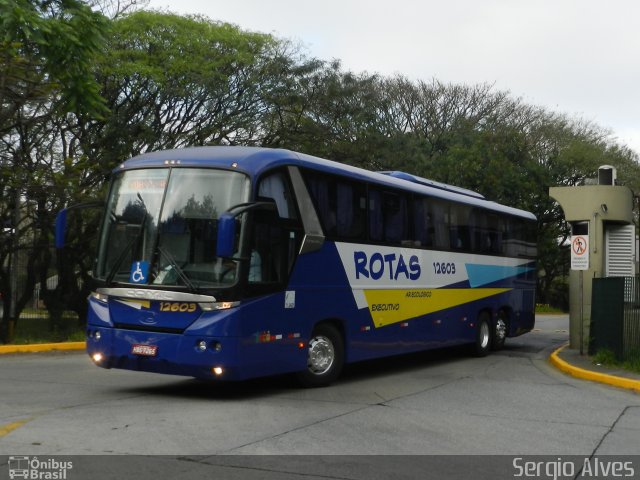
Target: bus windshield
(160,227)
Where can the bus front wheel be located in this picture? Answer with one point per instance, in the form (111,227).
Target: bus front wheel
(325,357)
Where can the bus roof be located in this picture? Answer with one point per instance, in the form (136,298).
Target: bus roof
(255,160)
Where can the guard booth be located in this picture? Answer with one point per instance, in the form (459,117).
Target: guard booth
(603,243)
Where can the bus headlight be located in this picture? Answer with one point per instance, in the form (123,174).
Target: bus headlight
(100,297)
(201,346)
(216,306)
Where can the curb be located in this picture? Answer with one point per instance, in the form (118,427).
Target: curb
(42,347)
(583,374)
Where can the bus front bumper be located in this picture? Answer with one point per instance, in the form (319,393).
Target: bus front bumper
(175,354)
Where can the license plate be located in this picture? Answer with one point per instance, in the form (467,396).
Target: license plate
(145,350)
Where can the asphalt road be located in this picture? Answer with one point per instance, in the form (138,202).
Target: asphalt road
(510,403)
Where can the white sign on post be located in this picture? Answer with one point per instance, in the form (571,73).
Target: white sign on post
(580,252)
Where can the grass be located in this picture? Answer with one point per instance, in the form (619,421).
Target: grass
(40,330)
(548,309)
(632,362)
(606,357)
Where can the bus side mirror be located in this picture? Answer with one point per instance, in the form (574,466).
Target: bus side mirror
(61,220)
(61,228)
(227,225)
(226,235)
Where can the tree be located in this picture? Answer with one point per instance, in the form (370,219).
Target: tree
(115,9)
(169,81)
(46,50)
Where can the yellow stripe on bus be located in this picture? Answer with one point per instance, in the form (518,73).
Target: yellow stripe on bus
(393,306)
(137,304)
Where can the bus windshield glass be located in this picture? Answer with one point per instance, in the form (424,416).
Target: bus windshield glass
(160,227)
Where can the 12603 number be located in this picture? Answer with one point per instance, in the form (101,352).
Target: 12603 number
(444,268)
(177,307)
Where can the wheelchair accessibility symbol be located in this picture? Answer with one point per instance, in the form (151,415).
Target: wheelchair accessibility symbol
(139,272)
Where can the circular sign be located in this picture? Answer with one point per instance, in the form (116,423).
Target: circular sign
(579,245)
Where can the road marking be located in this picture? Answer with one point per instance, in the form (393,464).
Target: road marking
(42,347)
(10,427)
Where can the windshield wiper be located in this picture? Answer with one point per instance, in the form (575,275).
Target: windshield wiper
(123,255)
(172,261)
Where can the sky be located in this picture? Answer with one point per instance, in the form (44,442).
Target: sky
(577,57)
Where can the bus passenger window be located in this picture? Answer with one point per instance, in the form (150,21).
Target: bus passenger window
(375,215)
(395,218)
(494,234)
(350,207)
(388,217)
(459,230)
(440,218)
(341,206)
(272,250)
(319,190)
(276,187)
(424,229)
(480,234)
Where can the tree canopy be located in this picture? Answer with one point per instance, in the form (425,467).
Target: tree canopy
(81,92)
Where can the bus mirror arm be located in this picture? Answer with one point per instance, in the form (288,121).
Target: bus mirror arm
(61,220)
(227,226)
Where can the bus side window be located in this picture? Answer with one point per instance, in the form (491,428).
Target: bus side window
(276,237)
(319,190)
(376,218)
(480,233)
(276,187)
(440,217)
(421,223)
(395,218)
(428,220)
(273,249)
(459,229)
(388,220)
(341,206)
(495,234)
(266,251)
(350,208)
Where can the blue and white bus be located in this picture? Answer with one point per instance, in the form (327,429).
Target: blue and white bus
(235,262)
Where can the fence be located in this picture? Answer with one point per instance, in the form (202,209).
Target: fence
(615,315)
(17,271)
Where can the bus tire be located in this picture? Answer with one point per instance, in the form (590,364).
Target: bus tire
(483,335)
(500,329)
(325,357)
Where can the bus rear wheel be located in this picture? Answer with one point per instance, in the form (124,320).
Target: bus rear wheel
(483,336)
(325,357)
(499,331)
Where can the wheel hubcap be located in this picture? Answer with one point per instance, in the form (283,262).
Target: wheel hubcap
(484,334)
(321,355)
(501,329)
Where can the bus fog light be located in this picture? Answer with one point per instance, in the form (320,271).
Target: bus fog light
(217,370)
(97,357)
(202,345)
